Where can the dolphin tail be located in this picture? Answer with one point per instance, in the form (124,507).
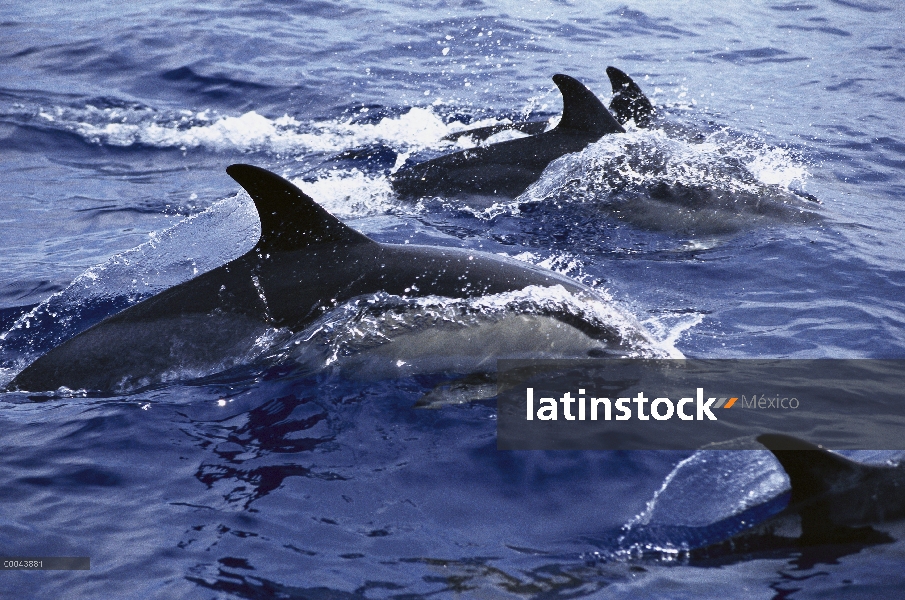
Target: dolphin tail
(629,102)
(290,220)
(582,110)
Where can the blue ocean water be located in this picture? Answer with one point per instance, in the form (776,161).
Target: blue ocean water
(323,481)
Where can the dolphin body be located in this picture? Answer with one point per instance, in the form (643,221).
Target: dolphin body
(628,104)
(834,500)
(508,168)
(305,263)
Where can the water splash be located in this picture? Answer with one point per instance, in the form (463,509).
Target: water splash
(469,335)
(416,128)
(736,480)
(713,183)
(195,245)
(350,193)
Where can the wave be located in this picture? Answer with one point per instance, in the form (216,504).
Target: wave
(189,248)
(142,126)
(709,183)
(379,335)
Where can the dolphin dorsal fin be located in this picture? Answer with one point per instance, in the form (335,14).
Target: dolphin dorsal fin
(582,110)
(290,220)
(629,103)
(813,470)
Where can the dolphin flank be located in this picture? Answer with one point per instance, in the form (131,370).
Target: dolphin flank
(508,168)
(305,263)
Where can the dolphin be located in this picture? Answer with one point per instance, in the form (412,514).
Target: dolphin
(833,500)
(628,104)
(305,263)
(508,168)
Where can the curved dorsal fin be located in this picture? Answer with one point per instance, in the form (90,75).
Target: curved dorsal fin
(290,220)
(812,470)
(629,103)
(582,110)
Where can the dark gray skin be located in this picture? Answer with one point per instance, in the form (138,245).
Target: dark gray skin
(508,168)
(628,104)
(834,501)
(305,263)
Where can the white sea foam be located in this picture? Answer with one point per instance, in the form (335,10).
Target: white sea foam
(419,127)
(560,262)
(668,329)
(467,334)
(721,171)
(350,193)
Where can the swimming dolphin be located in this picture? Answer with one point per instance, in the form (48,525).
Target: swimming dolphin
(628,104)
(508,168)
(305,263)
(834,500)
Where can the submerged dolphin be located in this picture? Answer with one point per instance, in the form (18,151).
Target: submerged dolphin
(305,263)
(834,500)
(508,168)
